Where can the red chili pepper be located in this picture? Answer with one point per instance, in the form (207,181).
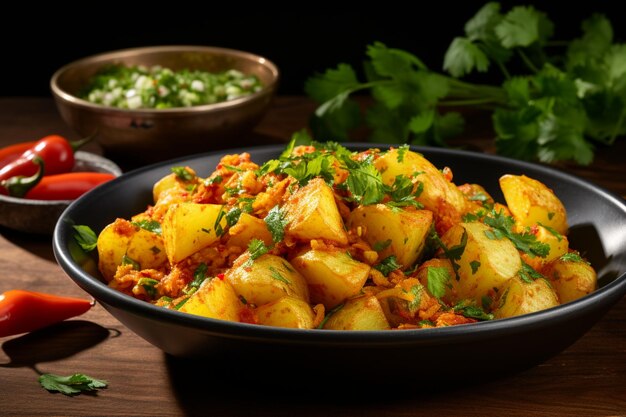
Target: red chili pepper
(18,186)
(67,186)
(54,150)
(24,311)
(10,153)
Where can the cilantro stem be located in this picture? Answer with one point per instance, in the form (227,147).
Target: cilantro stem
(505,72)
(469,102)
(527,61)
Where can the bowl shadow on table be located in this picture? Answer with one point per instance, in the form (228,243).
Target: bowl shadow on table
(234,385)
(37,244)
(53,343)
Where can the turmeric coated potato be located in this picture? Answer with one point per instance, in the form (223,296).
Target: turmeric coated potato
(215,299)
(286,312)
(571,279)
(362,313)
(519,297)
(531,203)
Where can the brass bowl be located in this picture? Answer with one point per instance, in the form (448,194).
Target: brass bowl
(150,134)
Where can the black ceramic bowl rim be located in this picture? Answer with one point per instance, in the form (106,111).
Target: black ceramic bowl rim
(605,296)
(75,100)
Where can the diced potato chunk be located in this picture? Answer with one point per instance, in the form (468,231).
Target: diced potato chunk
(215,299)
(531,202)
(450,288)
(485,263)
(312,213)
(401,232)
(519,297)
(440,196)
(266,279)
(332,276)
(247,228)
(362,313)
(189,227)
(286,312)
(571,279)
(169,182)
(123,238)
(558,247)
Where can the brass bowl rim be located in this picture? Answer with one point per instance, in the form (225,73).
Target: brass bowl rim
(122,53)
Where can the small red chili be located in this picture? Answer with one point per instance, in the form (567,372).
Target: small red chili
(56,152)
(25,311)
(19,185)
(10,153)
(67,186)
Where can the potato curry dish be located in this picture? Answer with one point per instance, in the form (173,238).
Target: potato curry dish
(327,238)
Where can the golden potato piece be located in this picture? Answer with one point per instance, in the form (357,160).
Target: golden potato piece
(312,213)
(485,263)
(247,228)
(401,232)
(440,196)
(215,299)
(362,313)
(332,276)
(122,238)
(571,279)
(450,288)
(531,202)
(266,279)
(189,227)
(169,182)
(286,312)
(519,297)
(558,245)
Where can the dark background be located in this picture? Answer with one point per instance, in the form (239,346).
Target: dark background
(36,42)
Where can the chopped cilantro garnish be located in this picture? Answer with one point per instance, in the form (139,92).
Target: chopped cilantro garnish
(149,225)
(182,173)
(471,311)
(148,285)
(276,222)
(381,245)
(416,292)
(232,217)
(502,226)
(438,279)
(559,237)
(199,275)
(474,265)
(528,274)
(572,257)
(275,274)
(329,314)
(387,265)
(126,260)
(257,248)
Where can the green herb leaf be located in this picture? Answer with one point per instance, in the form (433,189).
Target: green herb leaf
(126,260)
(474,265)
(148,285)
(199,275)
(276,223)
(463,56)
(275,274)
(381,245)
(85,237)
(72,384)
(182,173)
(387,265)
(149,225)
(471,311)
(329,314)
(416,292)
(438,279)
(257,248)
(572,257)
(503,227)
(528,274)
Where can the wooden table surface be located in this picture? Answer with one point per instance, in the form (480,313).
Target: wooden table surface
(587,379)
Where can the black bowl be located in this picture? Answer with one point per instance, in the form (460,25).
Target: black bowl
(596,218)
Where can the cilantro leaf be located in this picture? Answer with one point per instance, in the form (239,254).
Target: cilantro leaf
(528,274)
(85,237)
(276,222)
(323,87)
(388,265)
(275,274)
(463,56)
(257,248)
(572,257)
(199,275)
(126,260)
(471,311)
(502,226)
(72,384)
(182,173)
(416,292)
(522,26)
(149,225)
(364,182)
(438,279)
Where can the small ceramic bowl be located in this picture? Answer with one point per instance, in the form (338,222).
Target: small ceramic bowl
(150,135)
(40,216)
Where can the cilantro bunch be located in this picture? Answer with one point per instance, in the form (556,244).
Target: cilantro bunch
(570,97)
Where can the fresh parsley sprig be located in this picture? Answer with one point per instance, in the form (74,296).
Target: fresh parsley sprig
(564,102)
